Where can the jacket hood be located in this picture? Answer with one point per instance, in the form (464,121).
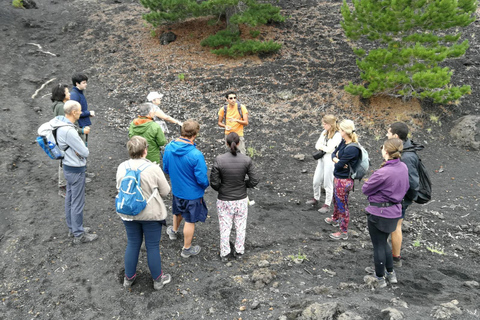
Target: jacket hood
(141,125)
(181,148)
(409,145)
(60,121)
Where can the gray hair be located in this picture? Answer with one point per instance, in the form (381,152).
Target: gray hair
(136,146)
(70,106)
(145,108)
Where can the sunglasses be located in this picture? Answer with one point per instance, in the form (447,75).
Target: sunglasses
(232,98)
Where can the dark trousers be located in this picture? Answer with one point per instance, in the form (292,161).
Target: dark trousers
(382,253)
(135,232)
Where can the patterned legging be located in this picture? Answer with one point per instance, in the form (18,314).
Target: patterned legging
(342,188)
(230,212)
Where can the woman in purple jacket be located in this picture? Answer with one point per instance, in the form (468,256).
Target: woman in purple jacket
(385,190)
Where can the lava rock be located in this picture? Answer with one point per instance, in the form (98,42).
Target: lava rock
(466,132)
(167,37)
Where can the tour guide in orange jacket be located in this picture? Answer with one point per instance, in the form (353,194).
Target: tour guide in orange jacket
(234,122)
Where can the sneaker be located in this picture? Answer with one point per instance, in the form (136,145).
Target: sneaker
(90,174)
(192,251)
(381,282)
(85,230)
(312,202)
(332,222)
(339,236)
(391,276)
(62,192)
(224,259)
(88,180)
(164,279)
(397,262)
(324,209)
(127,283)
(171,234)
(84,238)
(238,256)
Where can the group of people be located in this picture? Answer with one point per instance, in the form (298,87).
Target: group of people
(390,189)
(231,174)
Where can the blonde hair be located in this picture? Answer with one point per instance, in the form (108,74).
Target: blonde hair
(348,127)
(136,147)
(332,121)
(393,147)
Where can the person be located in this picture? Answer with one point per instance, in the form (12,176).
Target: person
(150,220)
(329,139)
(234,121)
(188,174)
(74,168)
(344,158)
(79,81)
(228,177)
(144,126)
(60,95)
(385,190)
(160,116)
(409,157)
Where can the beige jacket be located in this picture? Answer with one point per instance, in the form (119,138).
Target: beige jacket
(151,178)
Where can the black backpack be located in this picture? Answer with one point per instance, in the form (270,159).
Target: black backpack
(425,183)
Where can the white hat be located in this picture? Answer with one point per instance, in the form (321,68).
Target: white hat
(154,95)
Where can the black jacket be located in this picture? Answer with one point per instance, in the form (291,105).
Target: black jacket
(228,176)
(410,158)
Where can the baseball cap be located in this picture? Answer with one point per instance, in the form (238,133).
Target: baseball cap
(154,95)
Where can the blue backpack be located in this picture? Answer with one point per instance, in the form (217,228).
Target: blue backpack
(362,165)
(130,199)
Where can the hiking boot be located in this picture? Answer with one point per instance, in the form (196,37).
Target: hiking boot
(391,276)
(62,192)
(192,251)
(171,234)
(324,209)
(397,262)
(84,238)
(339,236)
(164,279)
(311,202)
(127,283)
(85,230)
(332,222)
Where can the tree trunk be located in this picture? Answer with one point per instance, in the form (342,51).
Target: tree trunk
(229,12)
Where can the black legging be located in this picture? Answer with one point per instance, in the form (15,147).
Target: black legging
(382,253)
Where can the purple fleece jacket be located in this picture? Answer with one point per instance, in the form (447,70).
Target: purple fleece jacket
(387,184)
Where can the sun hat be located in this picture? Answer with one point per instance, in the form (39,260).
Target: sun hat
(154,95)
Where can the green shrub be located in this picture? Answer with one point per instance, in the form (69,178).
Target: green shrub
(248,47)
(17,3)
(254,33)
(223,38)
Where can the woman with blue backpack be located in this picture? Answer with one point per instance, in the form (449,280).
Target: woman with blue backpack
(139,203)
(345,158)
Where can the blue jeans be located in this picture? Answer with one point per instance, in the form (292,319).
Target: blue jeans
(135,231)
(75,201)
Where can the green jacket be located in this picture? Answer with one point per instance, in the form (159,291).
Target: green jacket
(150,130)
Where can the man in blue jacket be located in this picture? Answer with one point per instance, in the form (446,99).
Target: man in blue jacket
(79,81)
(409,157)
(187,169)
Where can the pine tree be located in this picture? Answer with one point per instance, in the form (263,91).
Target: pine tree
(401,45)
(249,12)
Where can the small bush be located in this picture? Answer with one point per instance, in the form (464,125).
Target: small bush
(223,38)
(17,3)
(242,48)
(254,33)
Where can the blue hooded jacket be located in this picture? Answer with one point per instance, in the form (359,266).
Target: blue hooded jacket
(186,166)
(78,96)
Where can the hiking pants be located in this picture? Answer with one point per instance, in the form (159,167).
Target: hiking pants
(230,212)
(75,201)
(382,253)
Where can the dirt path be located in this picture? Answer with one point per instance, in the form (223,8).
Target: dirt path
(45,277)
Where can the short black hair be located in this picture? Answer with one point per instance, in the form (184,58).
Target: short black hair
(58,92)
(400,129)
(78,78)
(229,93)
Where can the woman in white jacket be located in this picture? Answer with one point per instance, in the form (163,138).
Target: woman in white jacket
(329,139)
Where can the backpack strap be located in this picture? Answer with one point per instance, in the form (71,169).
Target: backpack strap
(239,108)
(54,132)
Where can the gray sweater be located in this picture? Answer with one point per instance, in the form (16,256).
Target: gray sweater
(67,135)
